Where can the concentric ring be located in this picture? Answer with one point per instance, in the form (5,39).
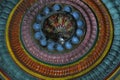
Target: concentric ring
(88,41)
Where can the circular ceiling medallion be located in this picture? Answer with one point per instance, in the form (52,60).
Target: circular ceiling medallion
(61,39)
(23,45)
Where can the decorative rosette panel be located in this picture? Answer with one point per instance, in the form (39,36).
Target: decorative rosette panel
(59,39)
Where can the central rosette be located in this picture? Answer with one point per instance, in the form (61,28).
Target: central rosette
(59,27)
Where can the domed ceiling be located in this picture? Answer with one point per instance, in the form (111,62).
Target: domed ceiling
(59,40)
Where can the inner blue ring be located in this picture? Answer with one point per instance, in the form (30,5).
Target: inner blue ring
(51,45)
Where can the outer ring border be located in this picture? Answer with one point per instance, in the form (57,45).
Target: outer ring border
(4,76)
(31,56)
